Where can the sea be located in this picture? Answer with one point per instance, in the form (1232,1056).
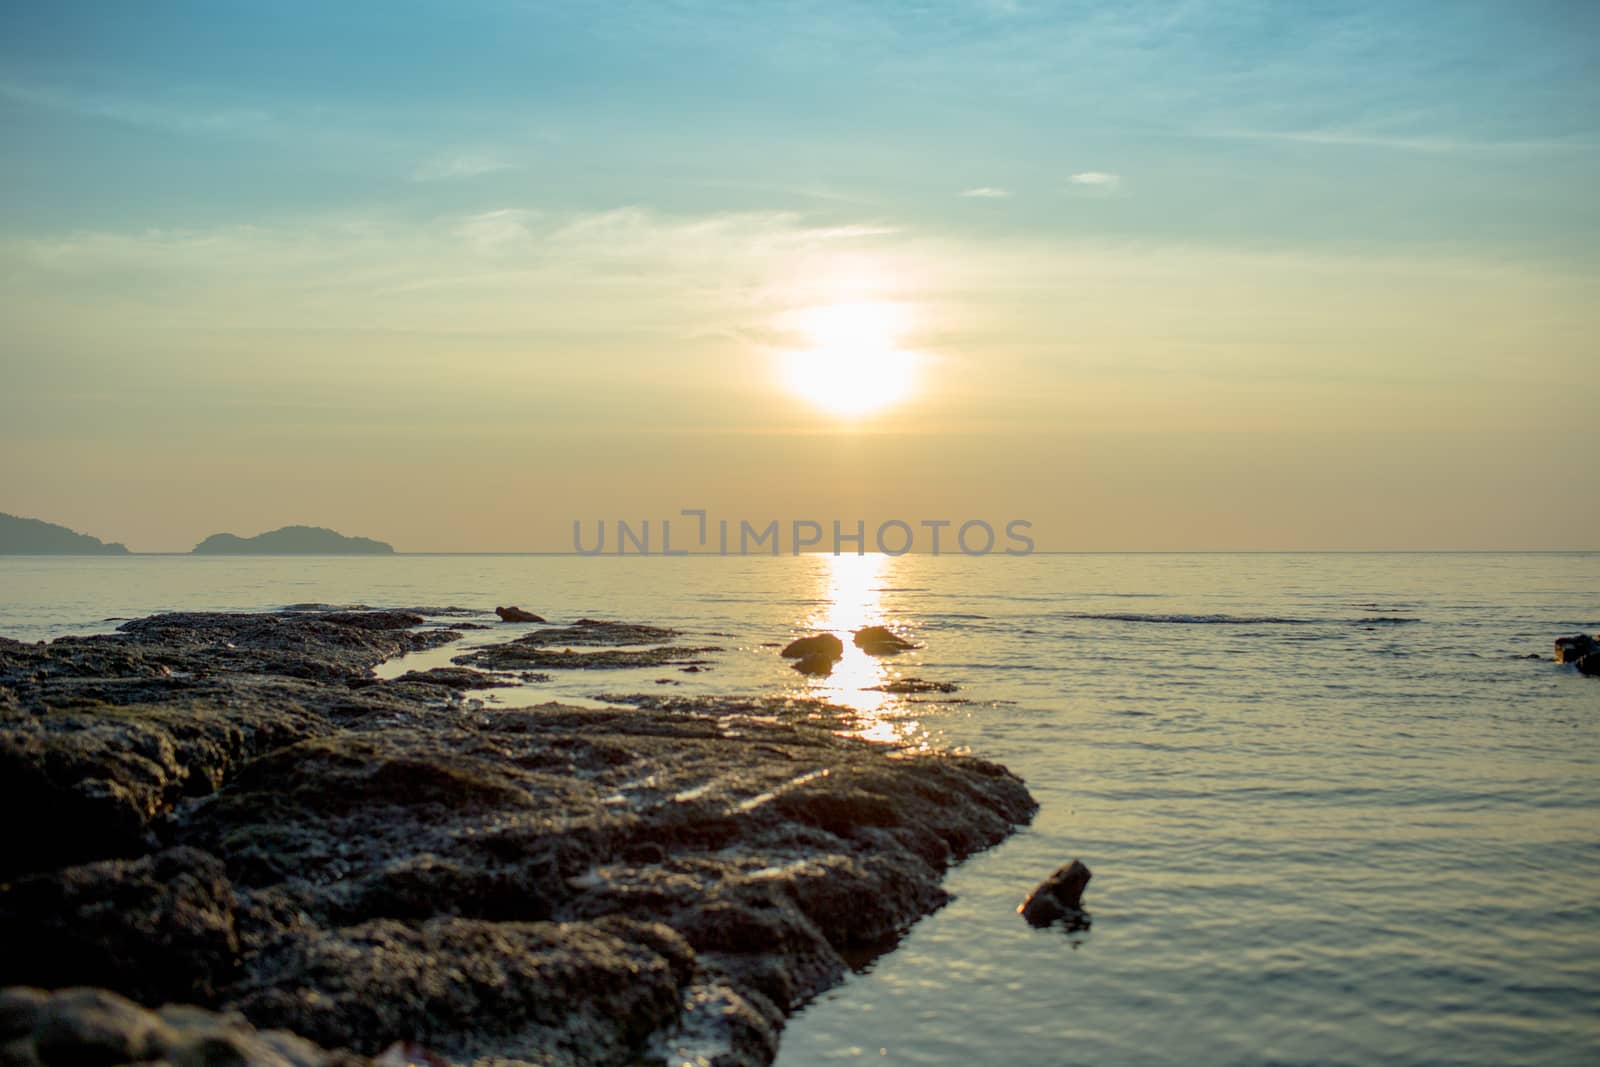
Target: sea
(1336,811)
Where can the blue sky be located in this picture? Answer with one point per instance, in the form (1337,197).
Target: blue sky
(1456,122)
(1219,230)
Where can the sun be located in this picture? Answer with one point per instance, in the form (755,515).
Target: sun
(850,361)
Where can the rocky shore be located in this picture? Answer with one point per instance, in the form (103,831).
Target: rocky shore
(230,842)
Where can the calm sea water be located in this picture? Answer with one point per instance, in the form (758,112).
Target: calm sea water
(1332,818)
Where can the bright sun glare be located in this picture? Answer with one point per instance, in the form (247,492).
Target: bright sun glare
(851,362)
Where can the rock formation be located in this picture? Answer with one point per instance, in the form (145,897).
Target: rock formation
(1058,897)
(881,641)
(818,644)
(231,813)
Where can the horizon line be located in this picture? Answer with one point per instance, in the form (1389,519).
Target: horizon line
(796,555)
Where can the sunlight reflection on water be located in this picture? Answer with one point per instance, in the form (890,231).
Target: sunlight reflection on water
(850,596)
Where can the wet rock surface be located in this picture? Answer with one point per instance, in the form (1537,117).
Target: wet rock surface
(516,614)
(103,736)
(816,663)
(518,656)
(454,678)
(881,641)
(1059,898)
(1581,650)
(614,646)
(597,632)
(815,645)
(913,685)
(236,816)
(88,1027)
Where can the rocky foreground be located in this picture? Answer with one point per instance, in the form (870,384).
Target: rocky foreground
(228,842)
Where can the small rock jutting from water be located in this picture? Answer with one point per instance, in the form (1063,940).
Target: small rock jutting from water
(913,685)
(1059,896)
(815,663)
(817,644)
(1582,651)
(516,614)
(454,678)
(1572,649)
(559,648)
(881,641)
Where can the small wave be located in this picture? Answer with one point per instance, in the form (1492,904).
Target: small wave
(1228,620)
(1190,620)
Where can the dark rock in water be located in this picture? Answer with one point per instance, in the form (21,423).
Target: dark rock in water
(1589,665)
(693,668)
(1057,897)
(552,885)
(913,685)
(374,620)
(515,656)
(553,648)
(815,663)
(454,678)
(880,641)
(516,614)
(1572,649)
(587,633)
(818,644)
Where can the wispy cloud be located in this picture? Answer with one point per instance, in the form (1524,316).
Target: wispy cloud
(626,269)
(986,192)
(1099,180)
(149,114)
(490,231)
(1420,143)
(459,165)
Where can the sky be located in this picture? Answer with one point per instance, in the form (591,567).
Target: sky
(1148,276)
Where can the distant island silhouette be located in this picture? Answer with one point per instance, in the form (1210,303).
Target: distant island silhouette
(20,536)
(291,541)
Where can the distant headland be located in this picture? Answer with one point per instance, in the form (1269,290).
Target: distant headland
(293,541)
(19,536)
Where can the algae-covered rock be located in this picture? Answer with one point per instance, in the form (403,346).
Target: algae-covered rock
(160,928)
(233,813)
